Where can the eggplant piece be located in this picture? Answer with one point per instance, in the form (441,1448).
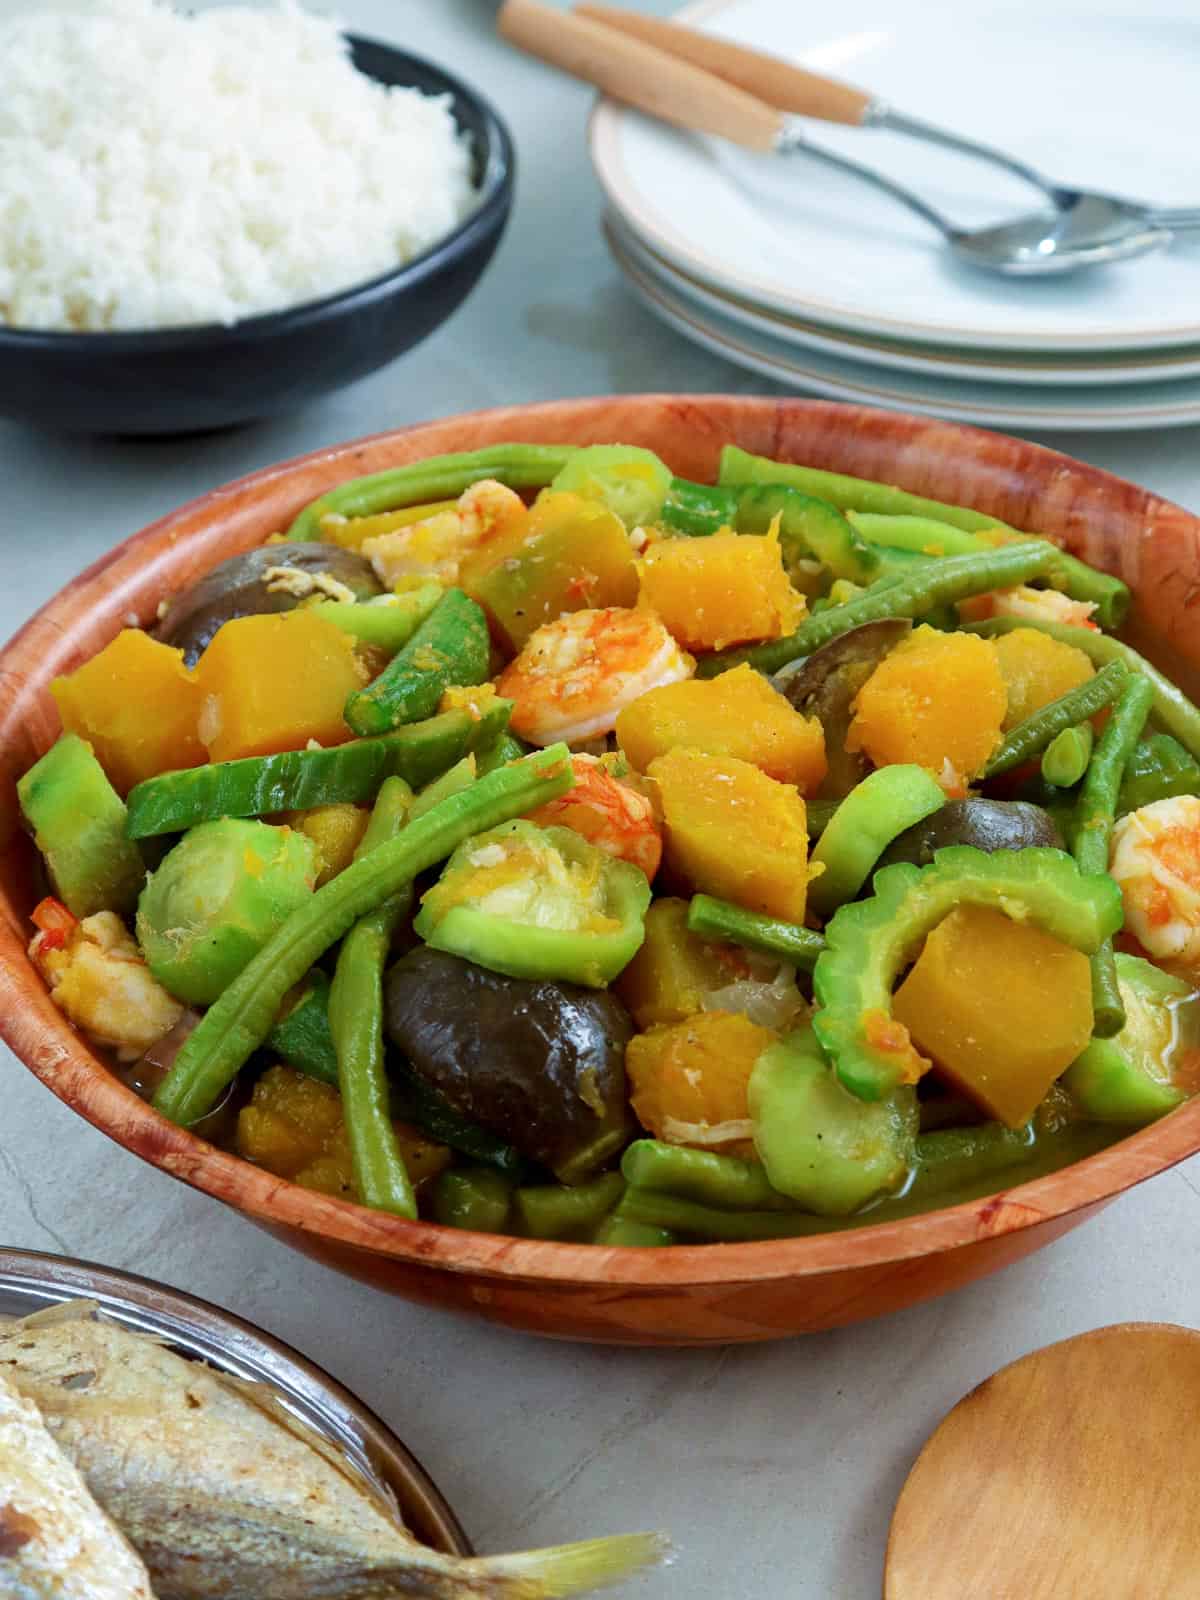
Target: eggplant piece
(826,684)
(987,824)
(540,1063)
(238,588)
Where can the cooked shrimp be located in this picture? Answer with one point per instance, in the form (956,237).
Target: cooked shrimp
(1041,605)
(437,547)
(1155,858)
(575,674)
(612,815)
(98,978)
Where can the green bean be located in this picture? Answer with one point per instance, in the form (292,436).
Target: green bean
(951,1157)
(234,1027)
(356,1023)
(1109,595)
(1030,738)
(656,1210)
(499,753)
(450,647)
(356,1020)
(701,1175)
(472,1197)
(627,1235)
(926,536)
(1159,769)
(718,919)
(554,1211)
(460,776)
(1065,759)
(520,466)
(1171,706)
(926,587)
(1096,813)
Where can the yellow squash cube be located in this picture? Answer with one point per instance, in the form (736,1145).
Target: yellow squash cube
(938,701)
(1000,1007)
(273,683)
(733,832)
(736,714)
(138,706)
(729,588)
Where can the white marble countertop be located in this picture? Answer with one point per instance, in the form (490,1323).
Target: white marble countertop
(774,1468)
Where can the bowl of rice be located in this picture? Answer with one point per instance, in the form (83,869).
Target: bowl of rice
(209,219)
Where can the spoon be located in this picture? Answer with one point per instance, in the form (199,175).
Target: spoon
(1084,233)
(1090,230)
(797,90)
(1066,1476)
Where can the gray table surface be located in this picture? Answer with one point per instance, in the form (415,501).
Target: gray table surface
(775,1467)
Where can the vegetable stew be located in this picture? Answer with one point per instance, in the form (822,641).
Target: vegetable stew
(535,842)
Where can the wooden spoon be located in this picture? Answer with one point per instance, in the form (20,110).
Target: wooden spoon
(1069,1475)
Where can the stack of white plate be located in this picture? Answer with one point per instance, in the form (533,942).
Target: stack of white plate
(817,280)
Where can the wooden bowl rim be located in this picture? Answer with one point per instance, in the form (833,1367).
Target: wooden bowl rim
(65,1064)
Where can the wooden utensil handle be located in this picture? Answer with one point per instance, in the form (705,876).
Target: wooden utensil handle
(770,78)
(641,75)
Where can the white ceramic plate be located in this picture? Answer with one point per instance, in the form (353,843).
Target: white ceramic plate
(1102,95)
(998,406)
(991,367)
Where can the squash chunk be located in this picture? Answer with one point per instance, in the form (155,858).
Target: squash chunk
(337,832)
(1037,669)
(673,971)
(689,1080)
(273,683)
(1000,1006)
(729,588)
(567,554)
(937,700)
(137,705)
(733,832)
(737,714)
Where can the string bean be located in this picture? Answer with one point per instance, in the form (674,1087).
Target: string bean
(450,647)
(554,1211)
(910,595)
(718,919)
(1030,738)
(241,1018)
(1065,759)
(701,1175)
(1172,708)
(356,1023)
(1097,812)
(472,1197)
(520,466)
(1109,595)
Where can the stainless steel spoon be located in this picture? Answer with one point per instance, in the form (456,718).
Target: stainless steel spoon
(624,55)
(1088,230)
(805,93)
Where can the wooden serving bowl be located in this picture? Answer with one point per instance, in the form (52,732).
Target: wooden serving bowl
(693,1294)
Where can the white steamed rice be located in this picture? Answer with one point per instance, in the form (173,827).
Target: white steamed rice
(158,169)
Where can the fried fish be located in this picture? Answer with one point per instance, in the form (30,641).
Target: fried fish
(55,1542)
(222,1492)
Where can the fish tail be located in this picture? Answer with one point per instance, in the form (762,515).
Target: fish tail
(563,1569)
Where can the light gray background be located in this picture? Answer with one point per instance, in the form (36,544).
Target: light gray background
(774,1468)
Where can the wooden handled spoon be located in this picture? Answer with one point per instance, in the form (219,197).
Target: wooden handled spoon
(1091,230)
(1069,1475)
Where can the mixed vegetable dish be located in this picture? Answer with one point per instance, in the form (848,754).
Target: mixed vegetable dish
(536,842)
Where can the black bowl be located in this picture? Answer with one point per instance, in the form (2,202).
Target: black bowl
(189,379)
